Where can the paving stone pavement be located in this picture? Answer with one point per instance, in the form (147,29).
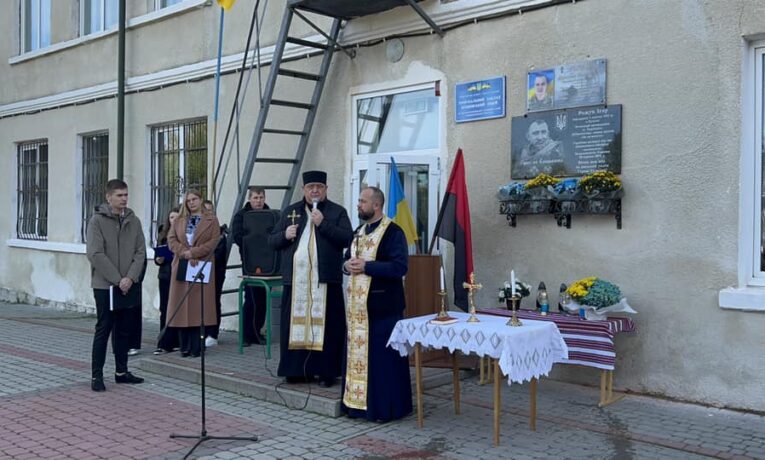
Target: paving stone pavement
(47,410)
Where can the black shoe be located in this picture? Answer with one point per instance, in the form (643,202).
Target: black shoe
(327,383)
(184,354)
(259,339)
(127,377)
(97,384)
(246,343)
(195,355)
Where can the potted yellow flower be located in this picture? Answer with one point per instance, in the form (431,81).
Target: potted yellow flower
(602,189)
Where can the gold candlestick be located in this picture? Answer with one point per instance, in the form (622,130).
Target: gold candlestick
(442,315)
(471,287)
(514,321)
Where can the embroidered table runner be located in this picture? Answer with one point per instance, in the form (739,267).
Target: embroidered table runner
(590,343)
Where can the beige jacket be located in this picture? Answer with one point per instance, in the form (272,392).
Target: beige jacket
(115,250)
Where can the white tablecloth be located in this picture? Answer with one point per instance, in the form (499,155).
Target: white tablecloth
(524,352)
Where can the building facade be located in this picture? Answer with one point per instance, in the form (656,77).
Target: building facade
(688,74)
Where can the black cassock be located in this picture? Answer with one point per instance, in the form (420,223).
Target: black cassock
(389,391)
(332,236)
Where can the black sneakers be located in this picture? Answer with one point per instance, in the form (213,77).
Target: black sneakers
(127,377)
(97,384)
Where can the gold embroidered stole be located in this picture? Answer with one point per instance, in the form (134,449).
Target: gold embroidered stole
(357,375)
(309,297)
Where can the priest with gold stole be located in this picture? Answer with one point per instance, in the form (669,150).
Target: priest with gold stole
(311,236)
(376,384)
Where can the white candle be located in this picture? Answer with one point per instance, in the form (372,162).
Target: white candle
(512,282)
(441,278)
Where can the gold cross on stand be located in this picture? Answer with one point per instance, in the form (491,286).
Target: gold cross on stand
(471,287)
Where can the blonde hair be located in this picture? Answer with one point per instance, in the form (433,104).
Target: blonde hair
(185,212)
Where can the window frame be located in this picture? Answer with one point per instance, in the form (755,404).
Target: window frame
(40,232)
(83,191)
(749,293)
(37,31)
(431,157)
(158,4)
(102,20)
(154,218)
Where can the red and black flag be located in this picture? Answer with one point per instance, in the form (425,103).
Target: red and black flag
(453,224)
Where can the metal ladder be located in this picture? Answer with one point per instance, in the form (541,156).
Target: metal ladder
(309,108)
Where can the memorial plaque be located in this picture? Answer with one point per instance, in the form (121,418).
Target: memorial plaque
(480,100)
(570,142)
(580,84)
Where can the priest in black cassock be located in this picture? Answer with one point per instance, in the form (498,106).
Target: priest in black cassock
(311,236)
(376,384)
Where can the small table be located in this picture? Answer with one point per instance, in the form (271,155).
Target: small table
(522,353)
(591,343)
(268,283)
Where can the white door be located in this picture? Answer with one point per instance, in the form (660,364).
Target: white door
(420,177)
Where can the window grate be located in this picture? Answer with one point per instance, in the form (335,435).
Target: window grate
(32,191)
(179,163)
(95,171)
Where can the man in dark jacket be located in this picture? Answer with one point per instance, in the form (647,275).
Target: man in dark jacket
(311,236)
(254,297)
(116,250)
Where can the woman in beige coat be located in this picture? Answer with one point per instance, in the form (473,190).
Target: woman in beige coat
(192,239)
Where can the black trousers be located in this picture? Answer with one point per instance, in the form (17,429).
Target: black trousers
(253,312)
(191,342)
(110,323)
(136,326)
(169,340)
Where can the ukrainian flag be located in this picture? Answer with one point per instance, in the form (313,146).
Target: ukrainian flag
(398,208)
(226,4)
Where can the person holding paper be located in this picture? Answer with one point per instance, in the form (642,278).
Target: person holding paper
(377,385)
(192,238)
(116,250)
(311,236)
(163,258)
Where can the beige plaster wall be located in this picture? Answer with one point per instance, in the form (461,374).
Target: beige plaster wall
(674,66)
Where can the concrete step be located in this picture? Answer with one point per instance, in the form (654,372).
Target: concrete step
(312,398)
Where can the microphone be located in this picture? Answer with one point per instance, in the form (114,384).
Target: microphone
(315,203)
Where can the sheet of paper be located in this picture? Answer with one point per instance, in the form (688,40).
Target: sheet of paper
(191,272)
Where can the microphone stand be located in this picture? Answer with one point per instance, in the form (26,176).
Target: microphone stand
(203,436)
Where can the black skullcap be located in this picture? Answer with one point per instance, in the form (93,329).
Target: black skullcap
(311,177)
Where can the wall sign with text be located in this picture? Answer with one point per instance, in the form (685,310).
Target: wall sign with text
(569,142)
(480,100)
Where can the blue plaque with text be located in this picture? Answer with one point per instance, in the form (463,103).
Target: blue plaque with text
(480,100)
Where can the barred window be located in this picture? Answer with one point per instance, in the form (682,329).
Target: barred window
(32,191)
(178,163)
(95,171)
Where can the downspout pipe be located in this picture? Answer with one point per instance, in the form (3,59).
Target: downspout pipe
(121,93)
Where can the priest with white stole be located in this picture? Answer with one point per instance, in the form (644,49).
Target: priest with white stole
(377,385)
(311,236)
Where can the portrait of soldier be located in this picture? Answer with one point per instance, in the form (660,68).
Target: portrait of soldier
(540,92)
(541,153)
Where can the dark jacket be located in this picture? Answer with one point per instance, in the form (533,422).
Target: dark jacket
(237,226)
(332,236)
(165,267)
(115,249)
